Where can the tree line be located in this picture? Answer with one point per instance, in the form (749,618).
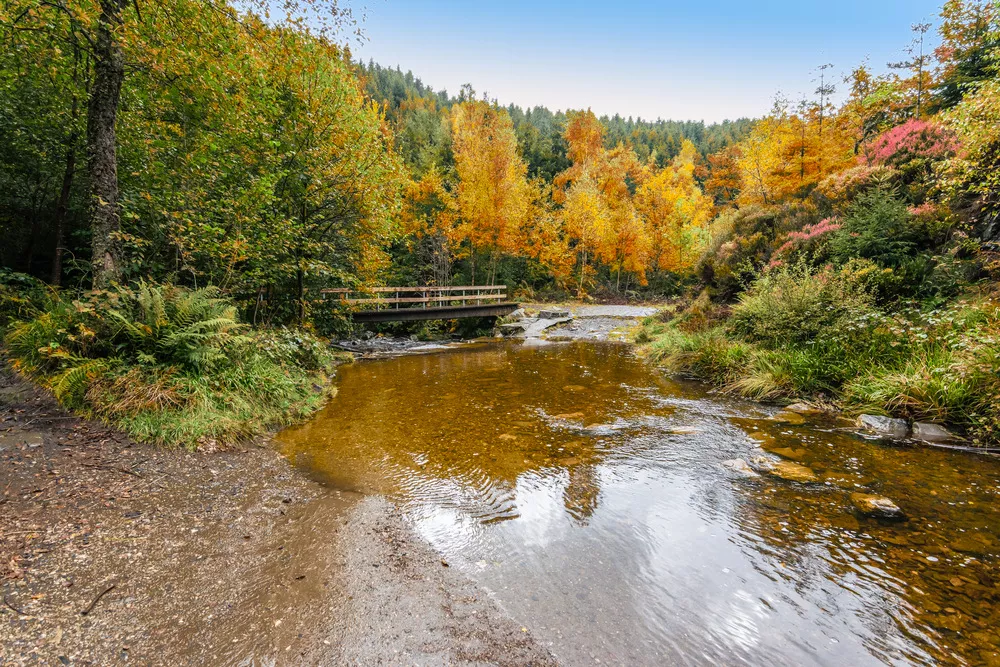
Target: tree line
(240,145)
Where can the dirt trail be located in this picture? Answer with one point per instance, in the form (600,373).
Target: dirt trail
(228,558)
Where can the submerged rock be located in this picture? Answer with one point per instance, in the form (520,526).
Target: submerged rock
(877,506)
(845,522)
(788,417)
(789,453)
(787,470)
(887,426)
(803,409)
(968,544)
(932,432)
(740,466)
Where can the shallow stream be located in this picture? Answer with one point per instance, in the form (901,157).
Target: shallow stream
(587,493)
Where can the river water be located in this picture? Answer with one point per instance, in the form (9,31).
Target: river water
(586,492)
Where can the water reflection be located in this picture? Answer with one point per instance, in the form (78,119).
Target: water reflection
(586,491)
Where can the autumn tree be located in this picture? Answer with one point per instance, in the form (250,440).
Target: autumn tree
(764,160)
(492,190)
(970,36)
(116,35)
(675,210)
(597,196)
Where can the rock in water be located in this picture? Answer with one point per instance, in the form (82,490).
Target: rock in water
(787,470)
(788,417)
(790,453)
(740,466)
(803,409)
(512,329)
(886,426)
(932,432)
(877,506)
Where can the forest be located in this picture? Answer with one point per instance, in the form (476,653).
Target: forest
(180,179)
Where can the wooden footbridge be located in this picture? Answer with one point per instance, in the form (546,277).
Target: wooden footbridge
(406,304)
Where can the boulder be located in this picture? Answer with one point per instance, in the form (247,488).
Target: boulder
(885,426)
(553,314)
(876,506)
(932,432)
(741,467)
(790,453)
(512,329)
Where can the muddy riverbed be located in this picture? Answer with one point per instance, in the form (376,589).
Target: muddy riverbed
(591,497)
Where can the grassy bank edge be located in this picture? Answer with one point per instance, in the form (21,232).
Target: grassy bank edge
(944,368)
(171,366)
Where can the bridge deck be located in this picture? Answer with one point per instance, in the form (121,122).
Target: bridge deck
(405,304)
(439,313)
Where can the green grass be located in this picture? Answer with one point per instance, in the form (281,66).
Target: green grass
(171,366)
(940,365)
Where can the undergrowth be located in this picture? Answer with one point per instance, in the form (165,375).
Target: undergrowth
(800,332)
(171,365)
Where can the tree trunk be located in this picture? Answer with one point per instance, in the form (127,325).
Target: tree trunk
(301,285)
(63,204)
(102,113)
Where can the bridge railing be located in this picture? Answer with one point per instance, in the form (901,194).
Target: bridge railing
(420,297)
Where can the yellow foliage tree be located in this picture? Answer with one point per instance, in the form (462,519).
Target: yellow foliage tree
(493,194)
(428,221)
(763,160)
(676,212)
(598,211)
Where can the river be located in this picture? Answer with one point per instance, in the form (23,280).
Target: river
(586,492)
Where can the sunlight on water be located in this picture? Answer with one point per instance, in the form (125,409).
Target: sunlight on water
(587,492)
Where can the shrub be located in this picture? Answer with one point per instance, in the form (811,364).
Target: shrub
(877,227)
(809,243)
(794,304)
(170,365)
(740,247)
(837,191)
(21,296)
(915,149)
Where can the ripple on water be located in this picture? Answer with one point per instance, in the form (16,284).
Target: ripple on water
(587,492)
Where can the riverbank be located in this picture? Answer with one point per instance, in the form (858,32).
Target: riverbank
(213,558)
(804,335)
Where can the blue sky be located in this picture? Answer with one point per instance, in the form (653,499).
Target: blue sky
(696,60)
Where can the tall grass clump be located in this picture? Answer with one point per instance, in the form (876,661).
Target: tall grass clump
(170,365)
(951,375)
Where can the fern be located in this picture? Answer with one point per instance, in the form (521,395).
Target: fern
(70,386)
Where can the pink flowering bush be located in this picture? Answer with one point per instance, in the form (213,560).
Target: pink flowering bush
(843,187)
(913,140)
(811,241)
(914,148)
